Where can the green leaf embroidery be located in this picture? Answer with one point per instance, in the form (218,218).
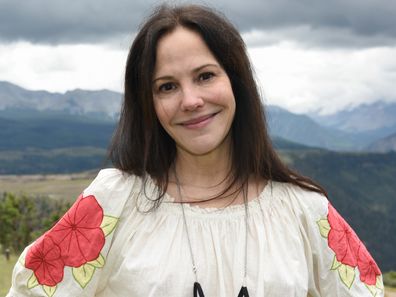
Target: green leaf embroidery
(21,259)
(335,264)
(347,274)
(372,289)
(379,284)
(83,274)
(32,282)
(99,262)
(108,224)
(324,227)
(49,291)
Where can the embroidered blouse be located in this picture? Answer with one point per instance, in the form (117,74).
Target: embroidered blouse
(106,245)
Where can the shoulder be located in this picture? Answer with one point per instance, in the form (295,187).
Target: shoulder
(113,187)
(70,257)
(302,202)
(113,179)
(337,253)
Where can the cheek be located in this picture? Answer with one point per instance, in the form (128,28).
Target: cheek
(228,101)
(159,109)
(225,96)
(163,112)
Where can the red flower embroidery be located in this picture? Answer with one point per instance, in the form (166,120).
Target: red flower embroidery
(342,239)
(348,248)
(367,267)
(44,258)
(75,240)
(78,233)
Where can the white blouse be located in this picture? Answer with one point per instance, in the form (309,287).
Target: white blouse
(108,246)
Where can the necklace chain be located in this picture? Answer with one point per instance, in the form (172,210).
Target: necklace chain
(194,267)
(187,233)
(246,239)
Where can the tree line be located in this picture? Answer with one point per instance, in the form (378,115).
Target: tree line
(24,218)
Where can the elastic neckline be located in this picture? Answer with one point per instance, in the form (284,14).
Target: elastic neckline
(238,209)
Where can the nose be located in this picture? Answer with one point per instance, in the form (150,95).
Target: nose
(191,99)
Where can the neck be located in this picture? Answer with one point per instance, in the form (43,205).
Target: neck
(206,170)
(203,177)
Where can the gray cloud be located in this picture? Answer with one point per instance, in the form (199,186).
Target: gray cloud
(359,23)
(317,37)
(63,21)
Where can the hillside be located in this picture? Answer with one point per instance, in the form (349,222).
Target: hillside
(377,116)
(367,122)
(102,102)
(51,161)
(83,148)
(302,129)
(362,187)
(386,144)
(49,130)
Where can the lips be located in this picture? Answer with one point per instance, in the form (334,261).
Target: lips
(199,121)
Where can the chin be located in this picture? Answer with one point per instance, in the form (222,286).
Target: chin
(198,151)
(202,149)
(203,146)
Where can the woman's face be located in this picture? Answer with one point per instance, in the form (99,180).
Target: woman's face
(192,93)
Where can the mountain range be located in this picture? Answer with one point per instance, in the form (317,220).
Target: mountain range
(378,116)
(99,103)
(371,122)
(34,111)
(385,144)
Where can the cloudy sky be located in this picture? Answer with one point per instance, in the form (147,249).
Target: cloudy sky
(309,55)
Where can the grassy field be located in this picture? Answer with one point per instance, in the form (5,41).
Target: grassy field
(5,273)
(390,292)
(60,186)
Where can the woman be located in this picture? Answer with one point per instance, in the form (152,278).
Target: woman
(199,203)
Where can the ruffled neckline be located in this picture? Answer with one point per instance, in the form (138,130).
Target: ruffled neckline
(168,203)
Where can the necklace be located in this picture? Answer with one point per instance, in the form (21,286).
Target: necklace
(197,289)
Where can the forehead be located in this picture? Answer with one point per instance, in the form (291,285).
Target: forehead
(182,48)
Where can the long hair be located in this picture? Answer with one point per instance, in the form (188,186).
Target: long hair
(141,146)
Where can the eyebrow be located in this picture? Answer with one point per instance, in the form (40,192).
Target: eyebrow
(195,70)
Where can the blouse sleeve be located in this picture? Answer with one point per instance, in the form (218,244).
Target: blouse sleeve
(68,260)
(338,262)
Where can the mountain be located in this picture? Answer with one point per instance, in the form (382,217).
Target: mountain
(386,144)
(304,130)
(369,122)
(52,161)
(280,143)
(363,118)
(58,130)
(79,152)
(74,114)
(101,103)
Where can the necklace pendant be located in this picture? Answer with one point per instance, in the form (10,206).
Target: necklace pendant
(243,292)
(198,290)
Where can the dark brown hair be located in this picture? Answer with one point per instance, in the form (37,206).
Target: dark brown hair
(141,146)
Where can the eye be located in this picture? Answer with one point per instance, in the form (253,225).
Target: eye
(206,76)
(167,87)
